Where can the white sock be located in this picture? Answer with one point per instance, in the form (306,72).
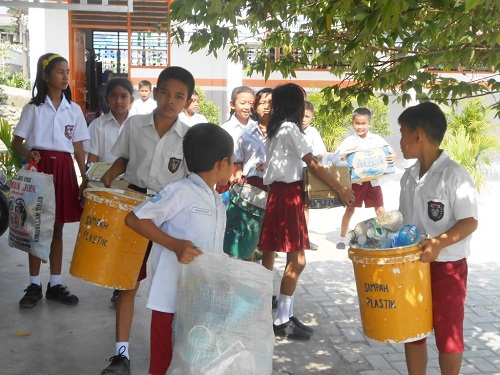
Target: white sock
(282,314)
(122,349)
(55,280)
(342,239)
(35,280)
(290,313)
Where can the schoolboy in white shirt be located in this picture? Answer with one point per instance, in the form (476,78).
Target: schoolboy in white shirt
(185,219)
(439,197)
(190,115)
(149,153)
(145,104)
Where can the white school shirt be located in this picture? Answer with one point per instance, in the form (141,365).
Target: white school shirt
(314,140)
(190,210)
(356,143)
(250,149)
(104,132)
(45,128)
(284,153)
(153,162)
(234,128)
(197,118)
(140,107)
(435,202)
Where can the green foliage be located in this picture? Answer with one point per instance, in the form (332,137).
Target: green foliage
(208,108)
(10,161)
(16,80)
(335,126)
(392,47)
(470,142)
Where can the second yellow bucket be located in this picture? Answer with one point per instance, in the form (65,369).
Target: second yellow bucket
(394,292)
(107,252)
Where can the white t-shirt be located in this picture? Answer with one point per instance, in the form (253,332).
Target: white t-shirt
(250,149)
(104,132)
(234,127)
(197,118)
(435,202)
(356,143)
(140,107)
(187,209)
(284,153)
(153,162)
(314,140)
(45,128)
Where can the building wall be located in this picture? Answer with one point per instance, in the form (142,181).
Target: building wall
(48,30)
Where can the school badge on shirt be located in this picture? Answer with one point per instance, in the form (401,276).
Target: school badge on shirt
(173,164)
(68,131)
(435,210)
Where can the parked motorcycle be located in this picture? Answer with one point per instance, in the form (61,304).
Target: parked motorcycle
(4,203)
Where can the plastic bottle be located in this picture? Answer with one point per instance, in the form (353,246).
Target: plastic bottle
(225,197)
(377,233)
(408,235)
(392,220)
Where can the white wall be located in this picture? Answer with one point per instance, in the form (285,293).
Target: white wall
(48,30)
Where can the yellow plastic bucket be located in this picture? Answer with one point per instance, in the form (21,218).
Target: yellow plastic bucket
(107,252)
(394,292)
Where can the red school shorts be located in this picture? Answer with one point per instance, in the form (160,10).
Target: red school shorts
(449,288)
(161,347)
(284,228)
(370,195)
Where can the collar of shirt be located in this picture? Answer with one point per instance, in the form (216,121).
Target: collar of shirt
(177,126)
(64,102)
(438,166)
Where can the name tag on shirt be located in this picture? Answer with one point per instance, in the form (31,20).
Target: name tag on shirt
(201,211)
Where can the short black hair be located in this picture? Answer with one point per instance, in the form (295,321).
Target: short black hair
(119,81)
(143,83)
(362,112)
(180,74)
(425,116)
(205,144)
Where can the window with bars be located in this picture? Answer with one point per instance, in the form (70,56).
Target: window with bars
(147,48)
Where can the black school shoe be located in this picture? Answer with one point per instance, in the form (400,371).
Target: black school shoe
(31,297)
(291,330)
(114,297)
(120,365)
(301,325)
(61,294)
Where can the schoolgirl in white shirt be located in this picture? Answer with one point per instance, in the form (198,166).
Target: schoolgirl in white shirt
(54,128)
(105,129)
(284,228)
(250,149)
(242,99)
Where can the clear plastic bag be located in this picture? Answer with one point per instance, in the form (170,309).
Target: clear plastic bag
(223,323)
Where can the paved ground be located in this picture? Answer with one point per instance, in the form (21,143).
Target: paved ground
(55,339)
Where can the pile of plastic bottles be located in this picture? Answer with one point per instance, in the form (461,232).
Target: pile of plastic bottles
(383,232)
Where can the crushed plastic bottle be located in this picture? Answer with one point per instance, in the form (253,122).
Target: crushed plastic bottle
(408,235)
(390,220)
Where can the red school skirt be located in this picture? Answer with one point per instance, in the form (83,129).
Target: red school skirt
(284,228)
(61,166)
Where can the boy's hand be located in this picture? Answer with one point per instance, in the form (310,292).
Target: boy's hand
(106,180)
(186,251)
(346,196)
(391,158)
(431,249)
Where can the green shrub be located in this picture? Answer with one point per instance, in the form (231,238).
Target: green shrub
(16,80)
(208,108)
(10,161)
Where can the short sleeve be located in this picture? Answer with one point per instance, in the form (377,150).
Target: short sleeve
(25,125)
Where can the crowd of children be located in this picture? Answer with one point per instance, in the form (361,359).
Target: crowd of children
(165,149)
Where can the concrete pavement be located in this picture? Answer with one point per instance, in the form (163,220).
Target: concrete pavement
(53,339)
